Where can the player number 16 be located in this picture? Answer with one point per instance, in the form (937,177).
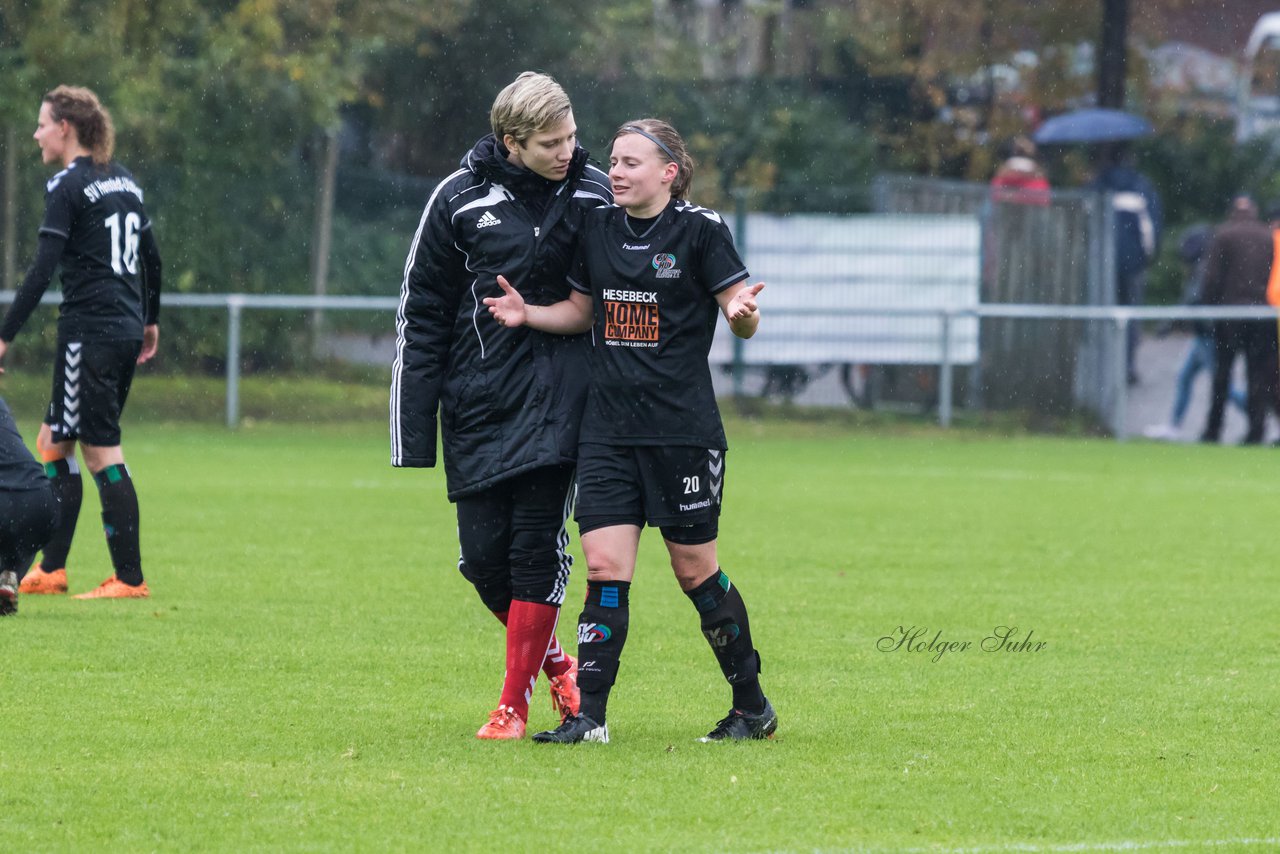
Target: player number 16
(124,247)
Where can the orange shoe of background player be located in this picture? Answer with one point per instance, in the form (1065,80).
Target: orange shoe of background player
(37,582)
(504,723)
(565,696)
(114,588)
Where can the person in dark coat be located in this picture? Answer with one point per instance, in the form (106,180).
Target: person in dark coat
(509,401)
(1199,357)
(1138,220)
(1237,271)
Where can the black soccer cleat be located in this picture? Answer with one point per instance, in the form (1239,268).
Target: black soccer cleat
(739,725)
(8,593)
(575,730)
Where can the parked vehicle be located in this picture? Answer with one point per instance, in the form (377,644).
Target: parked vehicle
(1258,102)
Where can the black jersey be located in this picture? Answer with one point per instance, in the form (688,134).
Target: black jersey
(655,315)
(98,209)
(18,469)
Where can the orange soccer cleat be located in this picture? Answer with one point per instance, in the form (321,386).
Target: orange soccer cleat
(565,696)
(504,723)
(37,582)
(114,588)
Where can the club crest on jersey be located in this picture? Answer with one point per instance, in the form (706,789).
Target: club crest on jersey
(665,264)
(593,633)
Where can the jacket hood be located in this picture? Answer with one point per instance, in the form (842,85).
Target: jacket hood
(488,159)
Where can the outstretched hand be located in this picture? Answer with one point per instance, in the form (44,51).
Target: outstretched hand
(4,347)
(508,309)
(743,303)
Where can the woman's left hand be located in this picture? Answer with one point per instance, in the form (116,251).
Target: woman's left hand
(743,303)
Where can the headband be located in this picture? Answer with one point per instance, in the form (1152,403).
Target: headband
(644,133)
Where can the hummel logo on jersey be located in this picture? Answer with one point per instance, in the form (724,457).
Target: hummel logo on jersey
(487,220)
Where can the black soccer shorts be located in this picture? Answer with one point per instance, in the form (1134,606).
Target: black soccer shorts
(675,488)
(513,538)
(91,381)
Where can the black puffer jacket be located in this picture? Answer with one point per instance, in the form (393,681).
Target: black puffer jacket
(509,400)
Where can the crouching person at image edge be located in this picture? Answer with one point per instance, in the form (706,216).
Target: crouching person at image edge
(97,230)
(28,510)
(510,400)
(649,278)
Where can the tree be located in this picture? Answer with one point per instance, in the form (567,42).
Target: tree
(218,106)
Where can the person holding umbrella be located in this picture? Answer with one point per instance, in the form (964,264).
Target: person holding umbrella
(1138,217)
(1137,221)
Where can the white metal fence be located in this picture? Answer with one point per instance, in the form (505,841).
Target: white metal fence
(1106,363)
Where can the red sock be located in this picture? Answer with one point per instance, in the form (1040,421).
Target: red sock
(557,661)
(530,626)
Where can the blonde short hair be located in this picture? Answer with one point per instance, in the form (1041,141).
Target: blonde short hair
(530,104)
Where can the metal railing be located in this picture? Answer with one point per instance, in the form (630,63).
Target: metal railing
(235,304)
(1119,317)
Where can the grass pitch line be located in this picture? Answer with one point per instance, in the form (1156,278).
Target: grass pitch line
(1128,845)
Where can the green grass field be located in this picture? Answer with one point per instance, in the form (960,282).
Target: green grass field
(311,669)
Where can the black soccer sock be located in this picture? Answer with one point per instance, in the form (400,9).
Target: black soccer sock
(725,626)
(602,632)
(120,522)
(64,477)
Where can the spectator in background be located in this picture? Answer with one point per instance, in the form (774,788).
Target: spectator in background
(1138,221)
(1199,356)
(1273,299)
(1237,271)
(1019,179)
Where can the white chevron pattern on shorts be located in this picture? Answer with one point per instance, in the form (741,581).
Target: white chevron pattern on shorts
(71,387)
(563,557)
(716,465)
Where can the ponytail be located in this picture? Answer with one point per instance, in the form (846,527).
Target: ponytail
(82,109)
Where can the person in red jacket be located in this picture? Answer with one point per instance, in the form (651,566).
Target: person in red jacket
(1019,179)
